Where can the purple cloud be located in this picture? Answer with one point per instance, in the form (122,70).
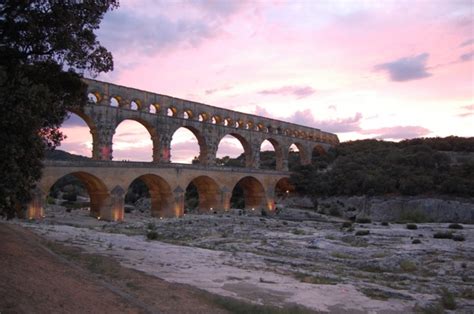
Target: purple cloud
(305,117)
(298,91)
(397,132)
(406,69)
(467,43)
(468,111)
(466,56)
(220,89)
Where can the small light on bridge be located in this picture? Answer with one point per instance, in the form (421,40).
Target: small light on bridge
(287,191)
(210,209)
(98,217)
(161,218)
(253,208)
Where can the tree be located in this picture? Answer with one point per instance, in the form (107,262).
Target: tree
(46,47)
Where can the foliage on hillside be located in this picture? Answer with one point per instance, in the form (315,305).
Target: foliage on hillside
(372,167)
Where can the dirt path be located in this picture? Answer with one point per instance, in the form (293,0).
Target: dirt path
(34,278)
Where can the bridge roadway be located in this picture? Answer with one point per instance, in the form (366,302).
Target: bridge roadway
(107,183)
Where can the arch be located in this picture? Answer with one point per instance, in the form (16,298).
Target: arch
(76,140)
(274,160)
(93,97)
(171,111)
(203,117)
(161,196)
(301,158)
(201,141)
(253,193)
(227,121)
(135,105)
(216,119)
(208,193)
(245,145)
(153,108)
(283,188)
(96,189)
(115,101)
(188,114)
(139,146)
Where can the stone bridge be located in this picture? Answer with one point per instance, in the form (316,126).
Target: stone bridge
(107,181)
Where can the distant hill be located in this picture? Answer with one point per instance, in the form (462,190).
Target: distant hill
(423,166)
(58,154)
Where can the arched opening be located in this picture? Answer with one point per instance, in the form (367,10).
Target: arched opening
(283,191)
(93,98)
(188,114)
(216,119)
(203,117)
(202,195)
(233,151)
(171,112)
(297,156)
(188,146)
(227,122)
(248,193)
(80,135)
(137,197)
(160,201)
(79,191)
(268,158)
(153,108)
(132,142)
(114,102)
(134,105)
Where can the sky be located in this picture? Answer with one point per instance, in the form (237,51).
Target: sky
(361,69)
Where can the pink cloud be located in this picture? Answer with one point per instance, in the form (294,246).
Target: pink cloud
(298,91)
(397,132)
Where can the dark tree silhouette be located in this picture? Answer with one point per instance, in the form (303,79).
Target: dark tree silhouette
(46,47)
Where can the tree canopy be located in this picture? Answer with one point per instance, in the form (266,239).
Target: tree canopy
(46,47)
(436,166)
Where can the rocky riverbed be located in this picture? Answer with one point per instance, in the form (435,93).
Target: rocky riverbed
(297,257)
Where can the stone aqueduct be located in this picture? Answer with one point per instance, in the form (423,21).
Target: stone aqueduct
(107,181)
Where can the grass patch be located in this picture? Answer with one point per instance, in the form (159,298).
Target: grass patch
(455,226)
(375,294)
(458,237)
(412,226)
(384,223)
(448,300)
(341,255)
(362,232)
(363,220)
(298,232)
(443,235)
(152,235)
(413,216)
(346,224)
(407,266)
(239,307)
(416,241)
(317,280)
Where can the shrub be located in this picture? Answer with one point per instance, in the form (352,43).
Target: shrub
(455,226)
(346,224)
(70,197)
(416,241)
(152,235)
(458,237)
(151,226)
(443,235)
(362,232)
(264,213)
(412,226)
(334,211)
(363,220)
(50,200)
(447,299)
(384,223)
(407,266)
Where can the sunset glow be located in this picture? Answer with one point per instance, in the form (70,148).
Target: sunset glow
(361,69)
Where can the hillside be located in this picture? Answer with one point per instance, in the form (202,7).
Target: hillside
(431,166)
